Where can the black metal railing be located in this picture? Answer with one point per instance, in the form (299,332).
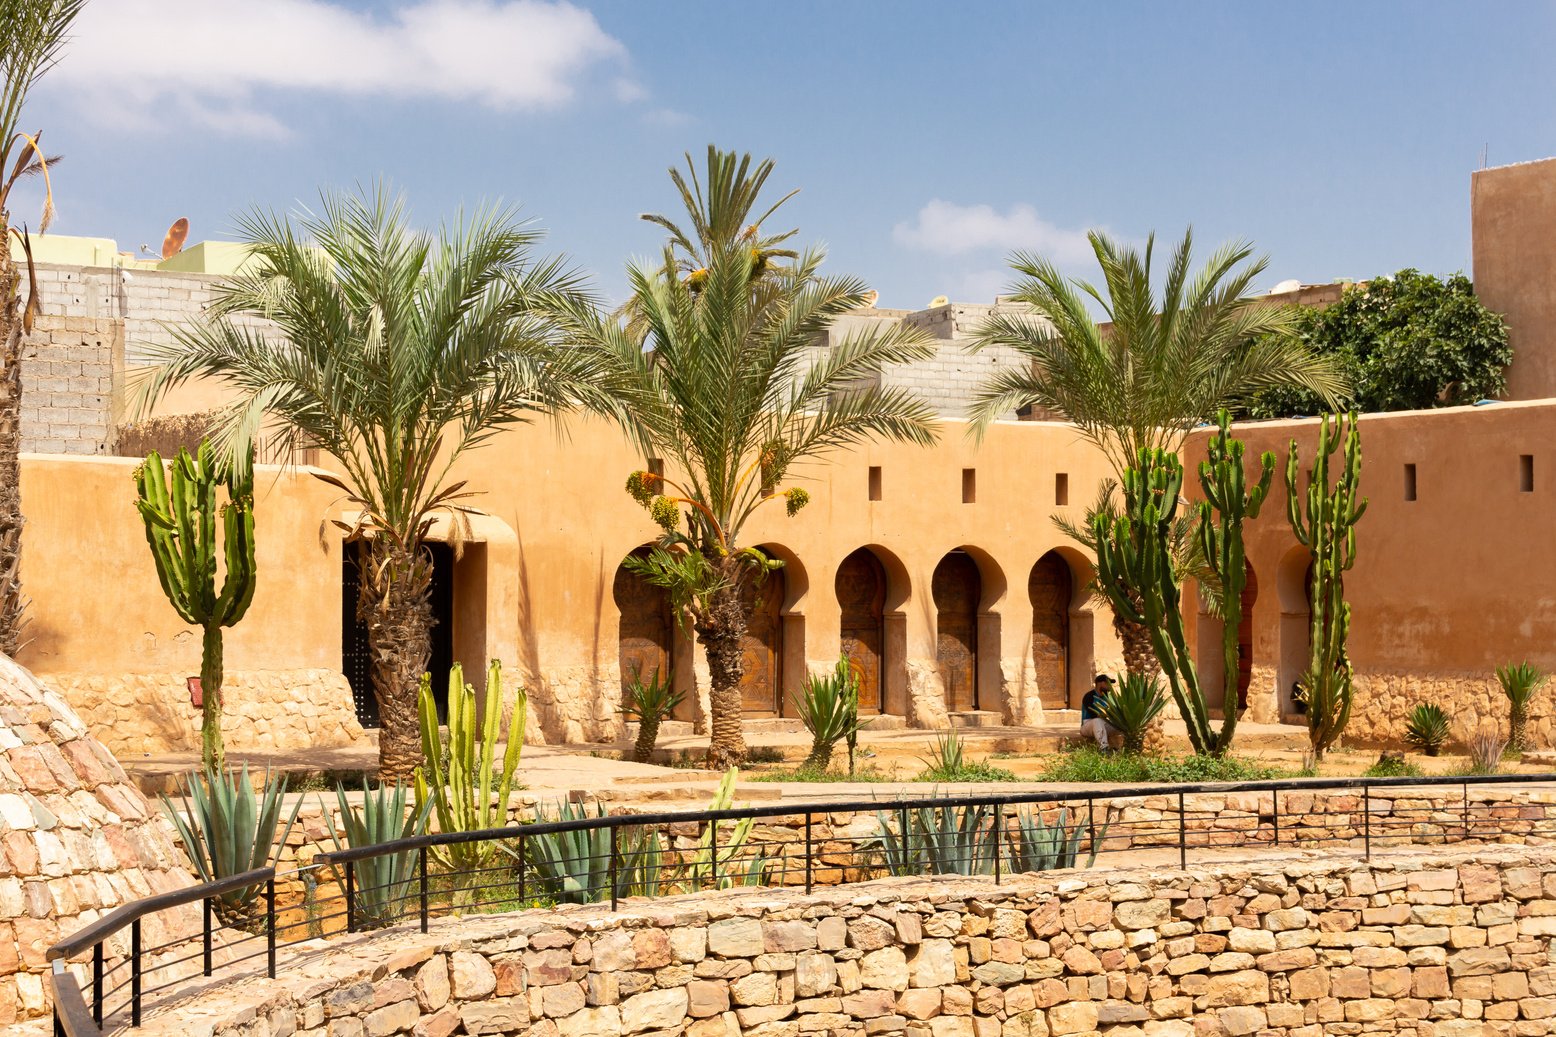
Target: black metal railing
(111,972)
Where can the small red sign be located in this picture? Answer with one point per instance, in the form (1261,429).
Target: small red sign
(196,695)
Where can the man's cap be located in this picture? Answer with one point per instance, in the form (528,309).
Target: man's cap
(1102,677)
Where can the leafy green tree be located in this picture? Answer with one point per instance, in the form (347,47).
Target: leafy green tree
(399,351)
(1408,342)
(730,394)
(1158,366)
(34,34)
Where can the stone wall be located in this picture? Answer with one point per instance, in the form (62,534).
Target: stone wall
(70,369)
(1384,701)
(268,710)
(1426,944)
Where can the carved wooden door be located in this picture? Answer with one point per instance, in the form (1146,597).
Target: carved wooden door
(957,589)
(1050,591)
(861,593)
(647,628)
(761,685)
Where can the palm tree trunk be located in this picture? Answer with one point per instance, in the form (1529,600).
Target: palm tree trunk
(721,634)
(1140,658)
(12,603)
(396,606)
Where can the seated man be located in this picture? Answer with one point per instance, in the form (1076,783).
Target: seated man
(1091,723)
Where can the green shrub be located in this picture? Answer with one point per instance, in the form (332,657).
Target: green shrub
(226,831)
(1088,764)
(806,773)
(829,708)
(1130,708)
(1427,728)
(948,761)
(1520,683)
(650,703)
(382,882)
(1392,767)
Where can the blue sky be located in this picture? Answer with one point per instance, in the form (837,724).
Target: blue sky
(928,139)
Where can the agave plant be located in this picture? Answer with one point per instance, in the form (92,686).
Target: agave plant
(938,840)
(383,881)
(650,703)
(227,830)
(1520,683)
(1044,847)
(1427,728)
(574,867)
(948,756)
(829,708)
(1485,747)
(722,862)
(1131,707)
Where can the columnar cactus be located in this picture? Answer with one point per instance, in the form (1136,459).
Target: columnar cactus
(1323,516)
(180,518)
(1228,502)
(1134,553)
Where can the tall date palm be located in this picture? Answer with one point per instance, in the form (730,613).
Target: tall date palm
(730,394)
(399,350)
(32,34)
(1159,366)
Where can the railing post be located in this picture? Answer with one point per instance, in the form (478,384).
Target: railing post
(809,857)
(999,837)
(351,896)
(611,867)
(421,863)
(1275,813)
(1366,821)
(270,926)
(1183,835)
(902,828)
(97,983)
(1466,790)
(1091,822)
(521,867)
(135,969)
(713,853)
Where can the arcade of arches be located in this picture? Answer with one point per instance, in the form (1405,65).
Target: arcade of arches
(967,645)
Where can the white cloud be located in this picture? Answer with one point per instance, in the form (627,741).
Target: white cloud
(667,118)
(953,229)
(210,62)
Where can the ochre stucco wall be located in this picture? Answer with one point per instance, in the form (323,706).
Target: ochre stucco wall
(1513,213)
(1445,587)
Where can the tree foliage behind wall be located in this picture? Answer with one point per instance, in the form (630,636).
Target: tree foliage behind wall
(1409,342)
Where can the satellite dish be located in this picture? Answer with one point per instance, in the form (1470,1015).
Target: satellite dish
(173,244)
(870,299)
(1289,285)
(939,300)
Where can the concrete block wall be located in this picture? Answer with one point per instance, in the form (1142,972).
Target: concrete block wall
(70,369)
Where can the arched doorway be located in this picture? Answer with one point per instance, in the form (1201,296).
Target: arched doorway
(1245,636)
(861,597)
(761,685)
(647,633)
(957,589)
(1050,588)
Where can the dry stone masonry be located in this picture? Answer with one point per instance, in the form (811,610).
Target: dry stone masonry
(1418,944)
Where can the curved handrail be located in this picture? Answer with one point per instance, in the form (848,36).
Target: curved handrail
(120,917)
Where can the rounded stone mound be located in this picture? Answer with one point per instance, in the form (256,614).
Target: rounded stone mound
(76,841)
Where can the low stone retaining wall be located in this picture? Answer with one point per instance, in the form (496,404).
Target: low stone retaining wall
(1302,945)
(263,710)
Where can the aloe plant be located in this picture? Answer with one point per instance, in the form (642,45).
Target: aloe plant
(1044,847)
(383,881)
(1427,728)
(829,708)
(470,792)
(650,703)
(574,867)
(938,840)
(1520,683)
(227,830)
(721,861)
(1131,707)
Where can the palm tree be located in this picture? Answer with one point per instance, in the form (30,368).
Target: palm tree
(399,351)
(1160,367)
(720,214)
(729,396)
(35,32)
